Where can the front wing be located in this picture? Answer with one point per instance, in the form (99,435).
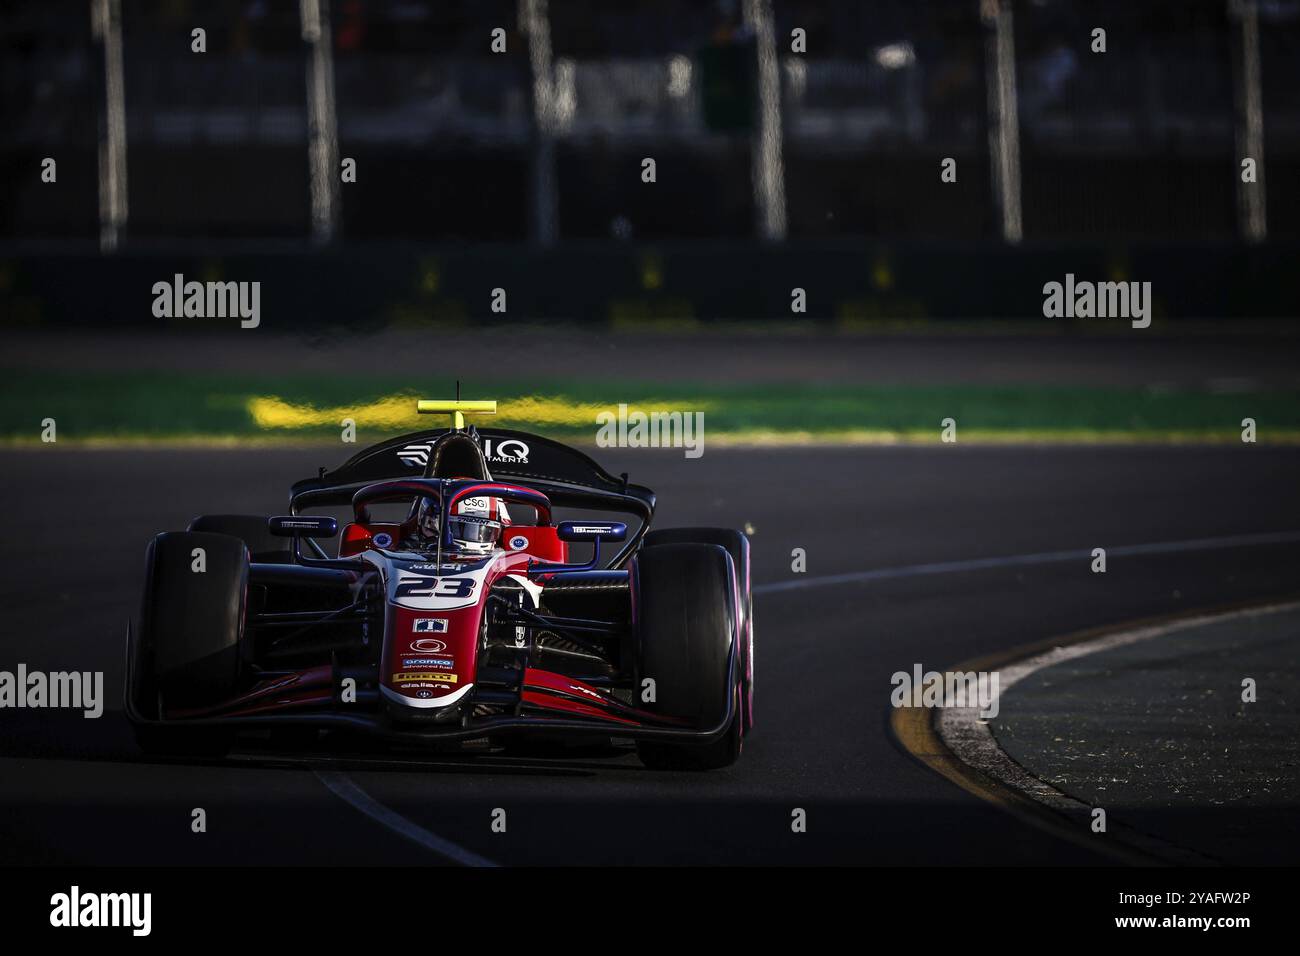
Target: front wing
(547,703)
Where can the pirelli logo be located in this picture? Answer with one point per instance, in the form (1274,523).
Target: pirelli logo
(410,676)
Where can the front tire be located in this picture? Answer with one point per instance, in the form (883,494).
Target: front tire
(737,545)
(685,623)
(188,648)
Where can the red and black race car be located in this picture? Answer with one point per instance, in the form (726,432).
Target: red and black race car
(466,614)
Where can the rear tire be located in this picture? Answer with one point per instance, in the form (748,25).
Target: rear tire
(737,545)
(187,652)
(685,623)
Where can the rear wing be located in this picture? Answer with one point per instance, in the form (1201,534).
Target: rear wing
(565,475)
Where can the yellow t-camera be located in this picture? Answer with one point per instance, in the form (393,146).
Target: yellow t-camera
(457,410)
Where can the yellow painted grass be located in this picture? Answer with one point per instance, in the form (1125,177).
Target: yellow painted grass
(397,412)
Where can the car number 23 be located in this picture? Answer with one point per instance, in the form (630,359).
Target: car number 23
(435,587)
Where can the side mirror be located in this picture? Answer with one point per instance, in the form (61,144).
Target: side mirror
(572,531)
(300,526)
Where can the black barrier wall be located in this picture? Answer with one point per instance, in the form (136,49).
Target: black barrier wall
(843,283)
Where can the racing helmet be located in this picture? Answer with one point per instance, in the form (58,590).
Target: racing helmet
(475,527)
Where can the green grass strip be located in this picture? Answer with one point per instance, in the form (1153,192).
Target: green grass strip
(163,406)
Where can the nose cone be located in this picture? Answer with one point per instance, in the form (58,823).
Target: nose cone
(429,662)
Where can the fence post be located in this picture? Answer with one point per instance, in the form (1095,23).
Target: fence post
(322,121)
(106,27)
(535,21)
(1004,121)
(1251,209)
(768,162)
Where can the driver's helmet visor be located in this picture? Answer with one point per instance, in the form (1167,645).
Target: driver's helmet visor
(473,529)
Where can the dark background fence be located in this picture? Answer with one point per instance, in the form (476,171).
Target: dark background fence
(1119,152)
(850,285)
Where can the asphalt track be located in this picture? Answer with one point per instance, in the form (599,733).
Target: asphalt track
(77,791)
(1216,364)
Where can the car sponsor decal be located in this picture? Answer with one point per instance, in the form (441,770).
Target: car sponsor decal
(429,645)
(518,542)
(430,625)
(474,506)
(383,539)
(428,662)
(508,450)
(420,676)
(415,456)
(416,694)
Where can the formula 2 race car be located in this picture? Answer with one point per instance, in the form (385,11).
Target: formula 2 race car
(462,616)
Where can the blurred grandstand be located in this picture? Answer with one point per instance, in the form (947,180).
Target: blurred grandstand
(542,144)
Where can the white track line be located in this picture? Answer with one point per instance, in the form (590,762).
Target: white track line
(346,789)
(1025,560)
(967,734)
